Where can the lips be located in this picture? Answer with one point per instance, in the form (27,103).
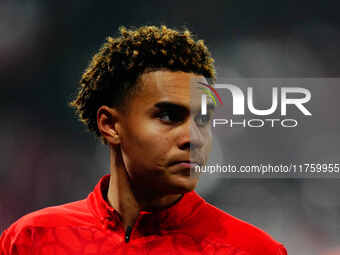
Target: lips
(186,163)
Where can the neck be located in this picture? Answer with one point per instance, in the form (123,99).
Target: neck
(128,198)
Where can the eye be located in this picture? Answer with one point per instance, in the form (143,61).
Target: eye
(170,117)
(202,120)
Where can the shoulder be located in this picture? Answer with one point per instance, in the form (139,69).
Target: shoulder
(22,231)
(244,235)
(60,215)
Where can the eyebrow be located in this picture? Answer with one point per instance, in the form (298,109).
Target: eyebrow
(170,105)
(173,106)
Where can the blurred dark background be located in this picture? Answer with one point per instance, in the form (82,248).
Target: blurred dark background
(48,158)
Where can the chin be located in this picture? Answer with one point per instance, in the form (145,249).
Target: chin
(184,184)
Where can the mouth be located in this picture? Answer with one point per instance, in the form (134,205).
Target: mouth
(186,164)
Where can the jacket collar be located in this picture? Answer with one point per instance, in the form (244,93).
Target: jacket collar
(167,218)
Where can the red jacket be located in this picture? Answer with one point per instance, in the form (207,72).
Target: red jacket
(91,226)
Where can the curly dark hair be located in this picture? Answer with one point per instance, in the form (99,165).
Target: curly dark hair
(114,70)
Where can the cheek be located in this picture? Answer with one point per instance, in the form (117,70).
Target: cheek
(146,146)
(208,149)
(150,138)
(158,148)
(207,142)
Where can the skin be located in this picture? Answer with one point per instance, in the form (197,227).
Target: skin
(148,138)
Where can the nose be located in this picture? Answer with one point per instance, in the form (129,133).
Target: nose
(191,137)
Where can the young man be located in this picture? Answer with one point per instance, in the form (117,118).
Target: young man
(138,97)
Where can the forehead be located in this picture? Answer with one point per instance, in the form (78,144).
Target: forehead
(177,87)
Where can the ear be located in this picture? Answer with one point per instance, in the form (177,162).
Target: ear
(108,125)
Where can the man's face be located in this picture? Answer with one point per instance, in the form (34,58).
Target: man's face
(163,131)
